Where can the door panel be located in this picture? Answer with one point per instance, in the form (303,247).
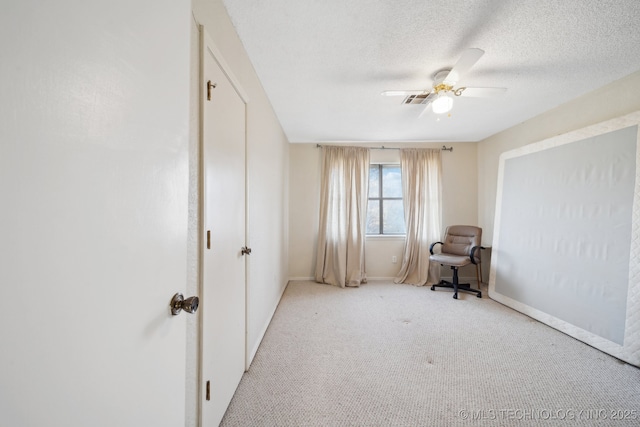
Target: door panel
(223,329)
(93,213)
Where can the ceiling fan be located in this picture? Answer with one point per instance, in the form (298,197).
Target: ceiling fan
(440,96)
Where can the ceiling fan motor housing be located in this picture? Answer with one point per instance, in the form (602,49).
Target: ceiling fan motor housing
(439,76)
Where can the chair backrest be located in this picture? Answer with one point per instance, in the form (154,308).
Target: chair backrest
(459,239)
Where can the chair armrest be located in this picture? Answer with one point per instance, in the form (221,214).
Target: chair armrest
(472,256)
(432,245)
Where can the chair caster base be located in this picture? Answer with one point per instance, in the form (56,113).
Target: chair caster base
(457,287)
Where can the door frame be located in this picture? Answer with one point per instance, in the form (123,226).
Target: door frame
(207,46)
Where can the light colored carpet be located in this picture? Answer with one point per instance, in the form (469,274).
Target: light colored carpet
(398,355)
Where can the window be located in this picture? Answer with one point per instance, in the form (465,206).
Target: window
(385,200)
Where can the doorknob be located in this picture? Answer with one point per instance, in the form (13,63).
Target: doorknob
(246,251)
(178,303)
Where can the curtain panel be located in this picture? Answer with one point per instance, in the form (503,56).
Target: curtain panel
(343,213)
(421,192)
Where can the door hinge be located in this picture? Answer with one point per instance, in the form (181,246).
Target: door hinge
(208,239)
(208,393)
(209,87)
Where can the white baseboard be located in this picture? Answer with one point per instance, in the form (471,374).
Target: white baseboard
(471,279)
(312,279)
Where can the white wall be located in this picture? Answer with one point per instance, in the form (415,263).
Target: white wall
(614,100)
(459,199)
(267,198)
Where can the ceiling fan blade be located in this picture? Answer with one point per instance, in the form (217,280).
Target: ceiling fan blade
(468,58)
(401,92)
(482,92)
(427,102)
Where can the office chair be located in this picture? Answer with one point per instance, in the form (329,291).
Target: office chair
(461,247)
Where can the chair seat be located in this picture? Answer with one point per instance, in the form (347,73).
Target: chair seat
(458,248)
(453,260)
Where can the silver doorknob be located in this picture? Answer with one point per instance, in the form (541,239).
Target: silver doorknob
(178,303)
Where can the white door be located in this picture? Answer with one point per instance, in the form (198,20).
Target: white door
(93,213)
(223,276)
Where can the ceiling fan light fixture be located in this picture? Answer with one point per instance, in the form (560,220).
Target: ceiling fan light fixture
(442,104)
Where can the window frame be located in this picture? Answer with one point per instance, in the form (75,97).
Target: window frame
(380,199)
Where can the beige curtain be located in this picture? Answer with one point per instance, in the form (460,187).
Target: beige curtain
(421,192)
(343,214)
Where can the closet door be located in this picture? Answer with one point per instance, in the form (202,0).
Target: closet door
(223,275)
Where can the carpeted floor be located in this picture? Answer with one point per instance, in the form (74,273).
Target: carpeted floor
(398,355)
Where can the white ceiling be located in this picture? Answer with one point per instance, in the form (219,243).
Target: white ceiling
(323,63)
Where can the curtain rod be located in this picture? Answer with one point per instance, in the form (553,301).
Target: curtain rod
(382,147)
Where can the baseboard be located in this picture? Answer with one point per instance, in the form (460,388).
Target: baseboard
(471,279)
(254,350)
(312,279)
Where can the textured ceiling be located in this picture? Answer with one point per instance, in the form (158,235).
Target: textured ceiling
(323,63)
